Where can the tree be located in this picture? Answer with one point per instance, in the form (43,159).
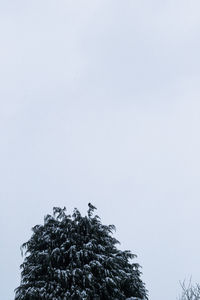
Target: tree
(190,291)
(75,257)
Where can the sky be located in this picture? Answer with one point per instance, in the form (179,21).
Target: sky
(100,102)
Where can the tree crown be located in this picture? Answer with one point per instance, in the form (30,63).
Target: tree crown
(76,257)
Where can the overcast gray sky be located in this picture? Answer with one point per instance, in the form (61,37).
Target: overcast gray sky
(100,102)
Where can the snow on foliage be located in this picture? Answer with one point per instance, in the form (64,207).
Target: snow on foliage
(75,257)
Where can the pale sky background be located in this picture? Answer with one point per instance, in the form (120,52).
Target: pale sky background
(100,102)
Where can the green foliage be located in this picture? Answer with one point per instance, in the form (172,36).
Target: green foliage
(75,257)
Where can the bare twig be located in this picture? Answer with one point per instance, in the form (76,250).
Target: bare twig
(190,291)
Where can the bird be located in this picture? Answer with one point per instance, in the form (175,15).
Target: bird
(91,206)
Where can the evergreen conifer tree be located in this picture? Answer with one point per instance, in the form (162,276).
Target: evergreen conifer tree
(76,258)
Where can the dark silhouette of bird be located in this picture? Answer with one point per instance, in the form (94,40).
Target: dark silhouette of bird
(91,206)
